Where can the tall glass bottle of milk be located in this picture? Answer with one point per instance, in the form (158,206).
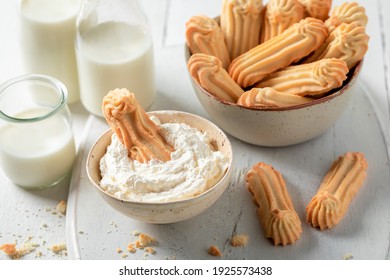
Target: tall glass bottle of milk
(47,31)
(114,50)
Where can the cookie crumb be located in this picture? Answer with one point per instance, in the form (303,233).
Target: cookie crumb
(150,250)
(124,255)
(214,251)
(28,239)
(59,249)
(136,233)
(239,240)
(131,248)
(114,224)
(347,256)
(119,250)
(61,207)
(144,240)
(14,253)
(10,250)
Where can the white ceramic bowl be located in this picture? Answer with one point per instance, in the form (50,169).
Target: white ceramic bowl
(165,212)
(277,126)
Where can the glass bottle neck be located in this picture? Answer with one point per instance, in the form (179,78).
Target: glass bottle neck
(94,12)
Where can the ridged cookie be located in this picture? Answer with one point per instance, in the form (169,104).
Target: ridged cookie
(348,42)
(269,97)
(203,35)
(133,127)
(280,15)
(339,187)
(316,8)
(277,215)
(310,79)
(294,43)
(207,70)
(240,24)
(348,12)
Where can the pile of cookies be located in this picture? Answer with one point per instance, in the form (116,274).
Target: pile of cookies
(284,53)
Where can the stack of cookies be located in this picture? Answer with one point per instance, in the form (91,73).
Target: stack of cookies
(284,53)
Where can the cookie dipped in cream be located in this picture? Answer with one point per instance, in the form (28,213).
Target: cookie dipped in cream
(194,167)
(131,124)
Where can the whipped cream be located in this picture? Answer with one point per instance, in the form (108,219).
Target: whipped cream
(194,168)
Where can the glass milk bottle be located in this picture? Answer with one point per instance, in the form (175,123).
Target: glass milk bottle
(114,50)
(37,147)
(47,31)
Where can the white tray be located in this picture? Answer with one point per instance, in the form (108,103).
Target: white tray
(95,230)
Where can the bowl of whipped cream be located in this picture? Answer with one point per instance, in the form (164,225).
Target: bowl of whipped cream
(197,174)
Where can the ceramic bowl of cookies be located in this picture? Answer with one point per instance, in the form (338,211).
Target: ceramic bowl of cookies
(141,200)
(278,126)
(288,85)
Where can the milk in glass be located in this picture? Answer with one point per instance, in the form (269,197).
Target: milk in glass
(37,147)
(39,154)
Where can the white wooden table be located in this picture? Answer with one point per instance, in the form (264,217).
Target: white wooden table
(93,230)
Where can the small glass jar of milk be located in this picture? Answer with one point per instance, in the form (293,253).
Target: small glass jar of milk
(37,147)
(114,50)
(47,31)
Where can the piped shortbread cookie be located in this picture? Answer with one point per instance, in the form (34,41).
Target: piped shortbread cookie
(311,79)
(316,8)
(240,24)
(339,187)
(134,128)
(276,212)
(294,43)
(270,98)
(203,35)
(207,70)
(348,12)
(280,15)
(348,42)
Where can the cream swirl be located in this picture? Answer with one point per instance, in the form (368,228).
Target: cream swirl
(194,167)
